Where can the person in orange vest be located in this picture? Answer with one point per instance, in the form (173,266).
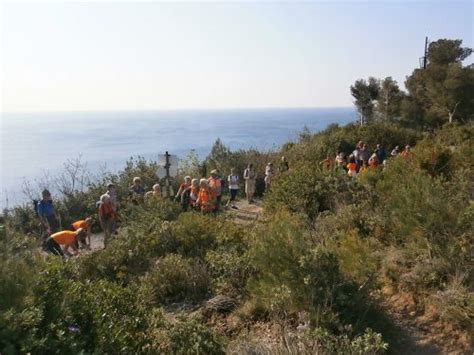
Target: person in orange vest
(406,152)
(215,184)
(206,198)
(85,224)
(352,167)
(326,164)
(68,239)
(364,168)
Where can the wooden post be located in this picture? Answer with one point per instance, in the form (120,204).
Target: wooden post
(167,167)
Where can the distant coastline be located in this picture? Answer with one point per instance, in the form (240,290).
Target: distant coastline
(37,143)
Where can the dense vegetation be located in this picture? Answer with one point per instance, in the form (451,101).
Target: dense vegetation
(314,274)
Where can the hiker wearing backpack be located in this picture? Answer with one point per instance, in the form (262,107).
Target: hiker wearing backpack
(47,214)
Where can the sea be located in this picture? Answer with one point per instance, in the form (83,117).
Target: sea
(35,145)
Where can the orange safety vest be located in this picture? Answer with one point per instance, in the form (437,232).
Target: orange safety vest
(405,154)
(64,237)
(215,184)
(80,224)
(206,200)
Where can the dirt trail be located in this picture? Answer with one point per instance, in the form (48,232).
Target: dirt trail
(246,213)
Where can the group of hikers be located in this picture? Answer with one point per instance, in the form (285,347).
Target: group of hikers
(362,159)
(203,195)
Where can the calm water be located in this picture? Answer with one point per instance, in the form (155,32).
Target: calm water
(33,143)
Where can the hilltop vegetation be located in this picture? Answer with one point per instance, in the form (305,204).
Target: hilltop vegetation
(318,272)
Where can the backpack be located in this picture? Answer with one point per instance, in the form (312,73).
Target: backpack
(185,196)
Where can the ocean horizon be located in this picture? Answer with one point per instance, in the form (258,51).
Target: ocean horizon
(35,144)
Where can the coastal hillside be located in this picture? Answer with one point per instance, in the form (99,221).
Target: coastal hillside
(330,257)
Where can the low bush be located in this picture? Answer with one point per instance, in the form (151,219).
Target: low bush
(193,337)
(195,234)
(456,305)
(176,279)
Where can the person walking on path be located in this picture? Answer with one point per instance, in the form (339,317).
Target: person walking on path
(194,192)
(233,181)
(395,152)
(326,164)
(406,152)
(341,162)
(136,191)
(112,192)
(48,216)
(216,185)
(381,154)
(190,195)
(356,153)
(155,192)
(283,165)
(69,240)
(107,217)
(373,161)
(364,155)
(184,185)
(250,177)
(268,176)
(206,199)
(352,167)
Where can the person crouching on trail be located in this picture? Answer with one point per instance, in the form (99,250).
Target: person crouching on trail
(86,225)
(68,239)
(206,199)
(107,217)
(216,185)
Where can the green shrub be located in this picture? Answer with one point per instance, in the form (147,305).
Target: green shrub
(456,305)
(195,234)
(288,264)
(320,341)
(193,337)
(229,271)
(309,191)
(175,279)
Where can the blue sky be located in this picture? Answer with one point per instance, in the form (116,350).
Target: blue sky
(168,55)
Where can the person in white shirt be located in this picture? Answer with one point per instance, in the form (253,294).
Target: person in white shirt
(268,175)
(233,181)
(250,177)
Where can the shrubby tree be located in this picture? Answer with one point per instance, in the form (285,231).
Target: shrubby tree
(365,94)
(389,99)
(443,91)
(218,155)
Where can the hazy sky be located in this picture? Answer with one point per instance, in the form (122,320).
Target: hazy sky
(163,55)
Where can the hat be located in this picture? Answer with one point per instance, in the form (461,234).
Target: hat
(214,172)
